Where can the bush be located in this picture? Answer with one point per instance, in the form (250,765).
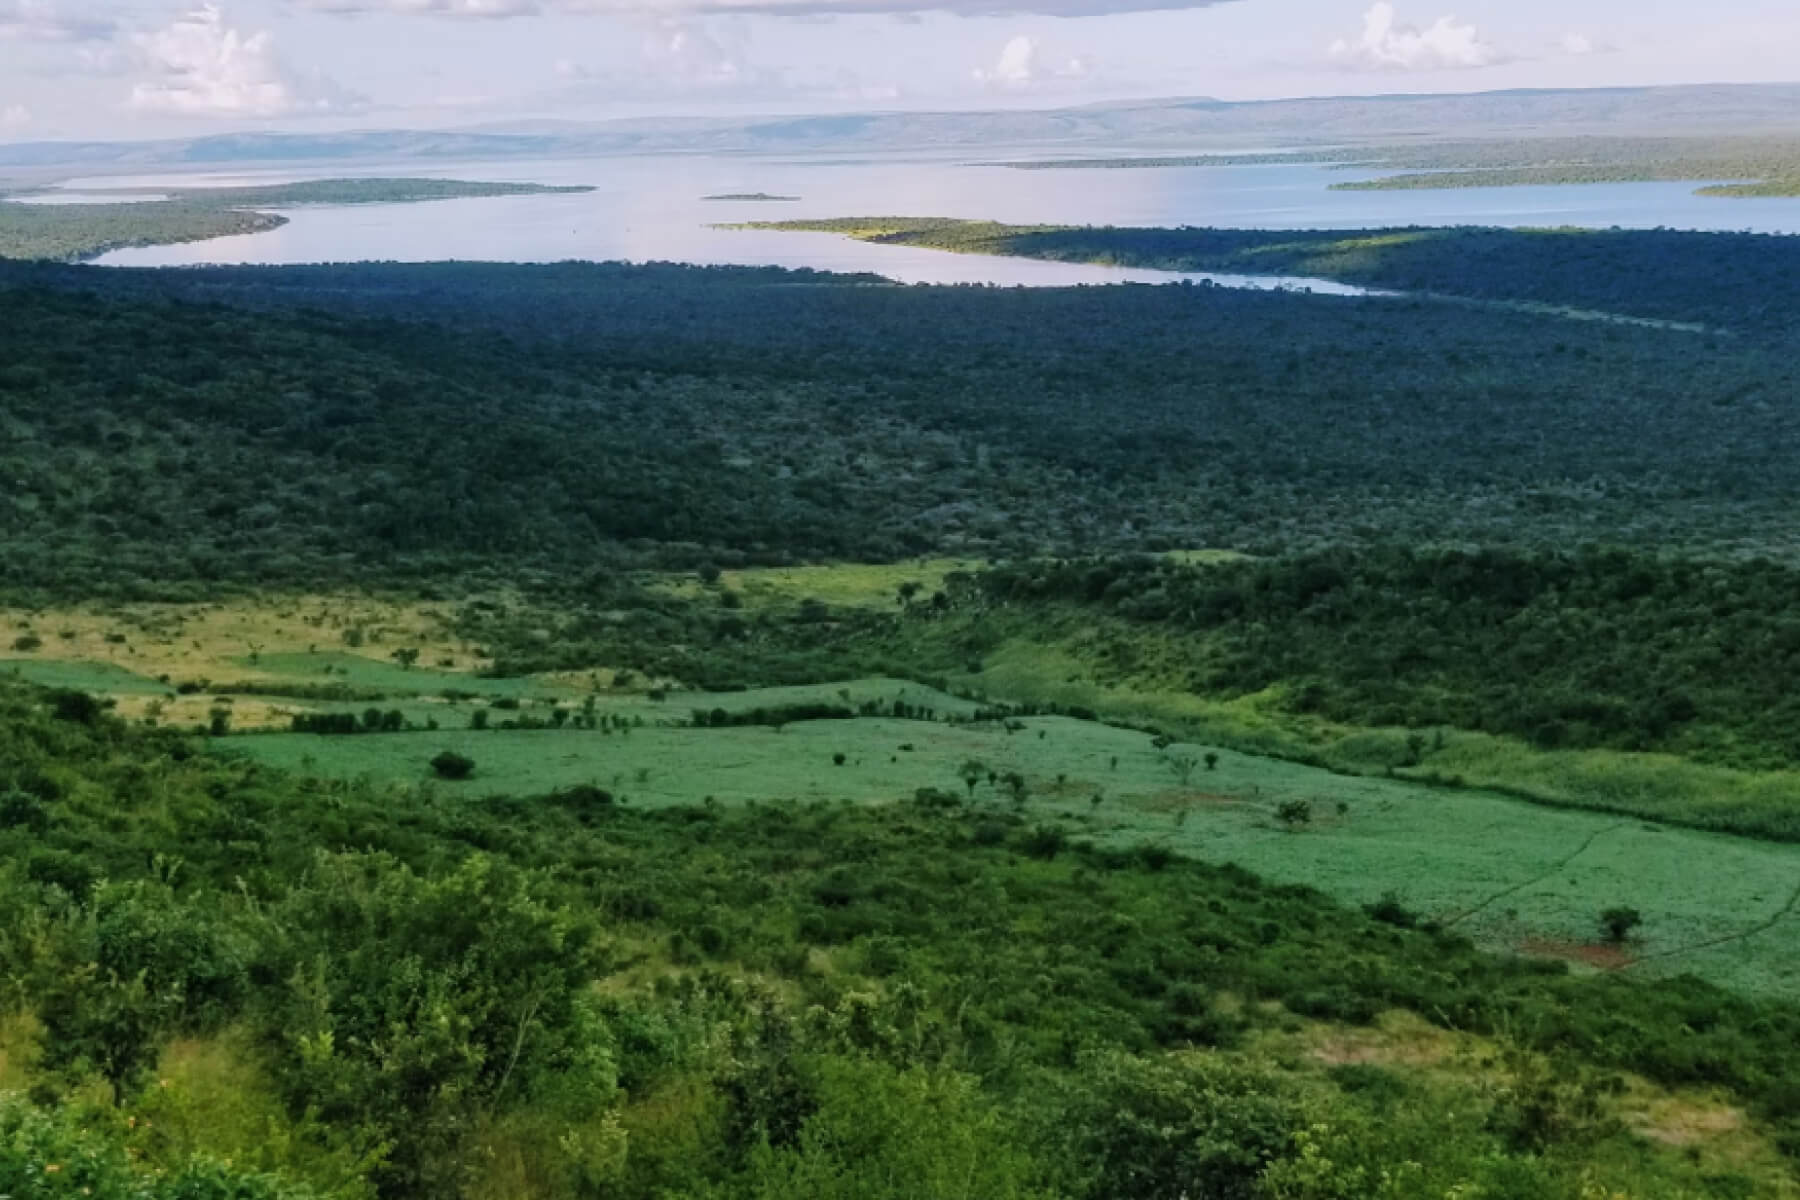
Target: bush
(989,833)
(1389,911)
(1618,923)
(451,765)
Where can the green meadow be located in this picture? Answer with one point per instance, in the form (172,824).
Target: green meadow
(1511,874)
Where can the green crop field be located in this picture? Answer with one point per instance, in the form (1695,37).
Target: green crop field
(1508,873)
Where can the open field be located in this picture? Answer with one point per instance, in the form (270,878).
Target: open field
(1511,874)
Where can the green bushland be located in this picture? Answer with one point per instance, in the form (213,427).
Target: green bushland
(1586,649)
(73,232)
(370,992)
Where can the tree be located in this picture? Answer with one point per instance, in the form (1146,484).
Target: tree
(407,657)
(1183,766)
(1212,760)
(1294,813)
(1015,787)
(972,772)
(1618,923)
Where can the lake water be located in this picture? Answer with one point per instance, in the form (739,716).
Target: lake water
(652,208)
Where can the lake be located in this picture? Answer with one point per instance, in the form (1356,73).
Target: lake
(652,208)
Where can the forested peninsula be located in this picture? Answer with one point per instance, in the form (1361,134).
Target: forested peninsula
(31,228)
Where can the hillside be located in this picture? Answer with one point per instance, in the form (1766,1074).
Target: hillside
(1193,123)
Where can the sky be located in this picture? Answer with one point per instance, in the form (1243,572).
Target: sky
(149,68)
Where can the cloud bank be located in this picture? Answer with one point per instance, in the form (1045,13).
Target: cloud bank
(202,67)
(1386,44)
(1021,65)
(44,21)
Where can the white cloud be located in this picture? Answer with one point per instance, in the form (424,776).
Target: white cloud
(14,117)
(1578,44)
(203,67)
(1021,64)
(44,21)
(1387,44)
(687,54)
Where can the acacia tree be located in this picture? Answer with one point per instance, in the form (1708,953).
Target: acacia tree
(972,772)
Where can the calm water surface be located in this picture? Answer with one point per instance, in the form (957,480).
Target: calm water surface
(652,209)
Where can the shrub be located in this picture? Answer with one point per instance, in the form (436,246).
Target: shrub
(988,833)
(1390,911)
(1619,922)
(451,765)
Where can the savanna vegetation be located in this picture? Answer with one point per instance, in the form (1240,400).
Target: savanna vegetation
(774,735)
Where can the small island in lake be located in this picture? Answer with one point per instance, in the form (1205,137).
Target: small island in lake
(750,196)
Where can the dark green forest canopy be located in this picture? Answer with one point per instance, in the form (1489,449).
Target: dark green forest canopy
(1748,284)
(1596,648)
(213,426)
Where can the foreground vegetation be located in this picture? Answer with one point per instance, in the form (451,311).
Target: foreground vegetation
(285,988)
(75,232)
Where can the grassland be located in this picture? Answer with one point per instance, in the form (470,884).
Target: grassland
(1513,874)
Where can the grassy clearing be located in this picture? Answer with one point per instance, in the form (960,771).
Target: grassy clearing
(141,654)
(1511,874)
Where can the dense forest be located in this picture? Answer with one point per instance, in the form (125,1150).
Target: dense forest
(38,228)
(1729,282)
(162,439)
(224,982)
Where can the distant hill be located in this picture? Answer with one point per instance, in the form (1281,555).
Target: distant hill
(1188,123)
